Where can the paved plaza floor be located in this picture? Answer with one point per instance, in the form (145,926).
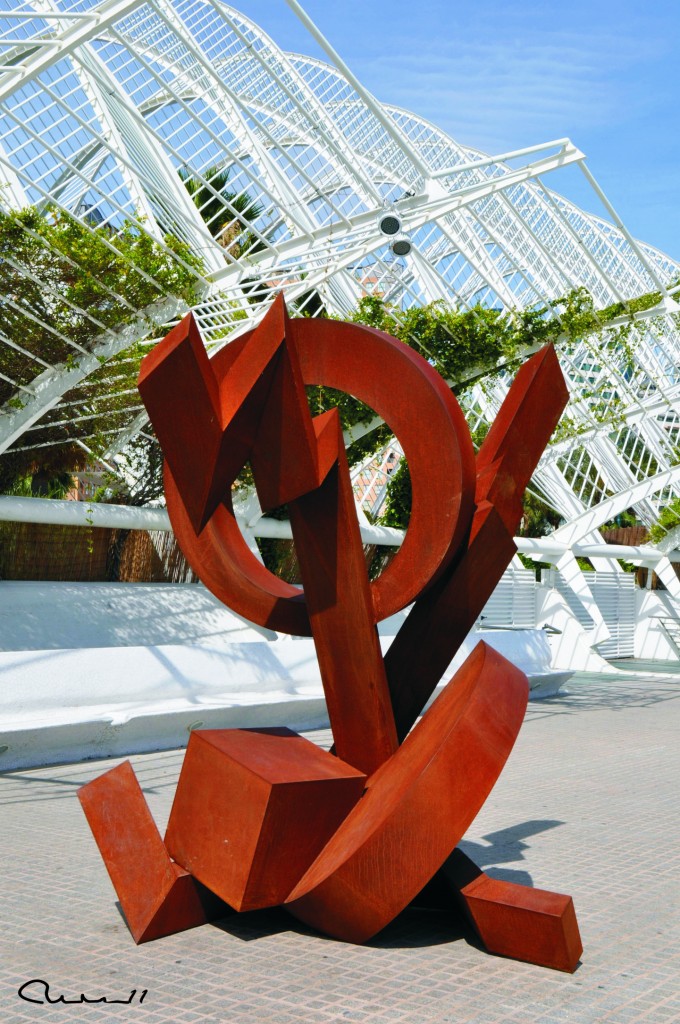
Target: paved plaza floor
(587,805)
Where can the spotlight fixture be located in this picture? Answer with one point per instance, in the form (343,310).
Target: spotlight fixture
(401,246)
(389,222)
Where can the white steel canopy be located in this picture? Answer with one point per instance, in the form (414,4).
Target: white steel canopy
(123,113)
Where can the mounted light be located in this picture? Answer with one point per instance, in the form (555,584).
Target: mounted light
(401,246)
(389,222)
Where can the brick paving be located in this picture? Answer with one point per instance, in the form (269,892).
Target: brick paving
(586,805)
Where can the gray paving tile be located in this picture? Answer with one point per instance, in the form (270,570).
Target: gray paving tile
(587,805)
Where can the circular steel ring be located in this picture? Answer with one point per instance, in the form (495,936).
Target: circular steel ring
(417,405)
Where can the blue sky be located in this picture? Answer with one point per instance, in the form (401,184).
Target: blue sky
(503,75)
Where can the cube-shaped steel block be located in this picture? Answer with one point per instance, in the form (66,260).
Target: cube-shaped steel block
(253,809)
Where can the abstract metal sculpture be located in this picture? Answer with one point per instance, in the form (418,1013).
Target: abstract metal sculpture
(345,840)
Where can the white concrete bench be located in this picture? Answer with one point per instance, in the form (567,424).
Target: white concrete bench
(529,649)
(72,705)
(38,616)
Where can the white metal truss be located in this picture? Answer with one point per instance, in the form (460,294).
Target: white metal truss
(106,106)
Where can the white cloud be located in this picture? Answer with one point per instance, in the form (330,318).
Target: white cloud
(509,92)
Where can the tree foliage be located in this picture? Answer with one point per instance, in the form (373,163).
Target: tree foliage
(668,520)
(227,214)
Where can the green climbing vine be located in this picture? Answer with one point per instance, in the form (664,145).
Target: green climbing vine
(667,521)
(62,284)
(477,343)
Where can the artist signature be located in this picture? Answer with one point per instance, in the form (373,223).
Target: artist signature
(41,988)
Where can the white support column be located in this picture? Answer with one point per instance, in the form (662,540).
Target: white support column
(666,573)
(569,570)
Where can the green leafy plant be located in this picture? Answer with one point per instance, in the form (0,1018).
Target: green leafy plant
(227,214)
(63,287)
(668,520)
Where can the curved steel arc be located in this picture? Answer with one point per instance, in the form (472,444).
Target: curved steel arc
(418,806)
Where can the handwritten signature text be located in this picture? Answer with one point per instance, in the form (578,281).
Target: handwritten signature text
(39,992)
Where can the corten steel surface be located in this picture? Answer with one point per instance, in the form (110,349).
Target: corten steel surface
(156,895)
(401,386)
(443,616)
(418,805)
(253,809)
(347,842)
(512,920)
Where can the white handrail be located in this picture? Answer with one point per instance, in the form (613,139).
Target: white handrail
(128,517)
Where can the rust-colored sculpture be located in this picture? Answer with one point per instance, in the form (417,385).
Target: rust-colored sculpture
(263,817)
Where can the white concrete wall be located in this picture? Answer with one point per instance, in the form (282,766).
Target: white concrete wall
(71,705)
(99,670)
(41,616)
(529,649)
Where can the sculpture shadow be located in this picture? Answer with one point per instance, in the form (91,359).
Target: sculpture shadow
(604,694)
(259,924)
(507,846)
(416,926)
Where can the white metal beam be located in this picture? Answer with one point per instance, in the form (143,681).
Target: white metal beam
(76,32)
(416,212)
(371,103)
(592,518)
(52,384)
